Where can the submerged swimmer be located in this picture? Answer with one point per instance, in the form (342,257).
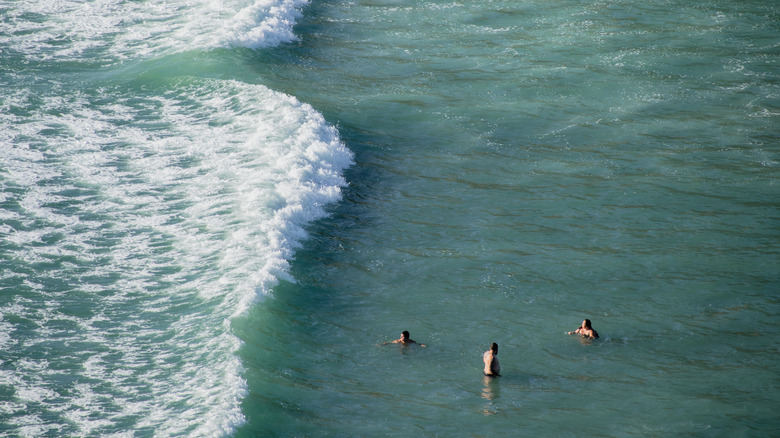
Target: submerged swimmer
(404,339)
(585,330)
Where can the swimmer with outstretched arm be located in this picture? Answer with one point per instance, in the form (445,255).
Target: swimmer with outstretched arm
(404,340)
(585,330)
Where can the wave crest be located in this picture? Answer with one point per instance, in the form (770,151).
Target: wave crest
(106,31)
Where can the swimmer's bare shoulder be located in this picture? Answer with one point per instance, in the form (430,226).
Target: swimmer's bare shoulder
(404,340)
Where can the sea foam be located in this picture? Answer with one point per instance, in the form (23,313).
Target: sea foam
(138,225)
(112,31)
(142,227)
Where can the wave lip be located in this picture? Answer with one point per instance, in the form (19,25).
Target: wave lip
(265,23)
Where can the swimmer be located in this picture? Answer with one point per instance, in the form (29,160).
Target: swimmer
(490,357)
(585,330)
(404,339)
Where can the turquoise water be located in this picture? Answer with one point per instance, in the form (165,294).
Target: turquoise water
(213,214)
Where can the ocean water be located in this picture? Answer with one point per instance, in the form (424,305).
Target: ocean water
(213,214)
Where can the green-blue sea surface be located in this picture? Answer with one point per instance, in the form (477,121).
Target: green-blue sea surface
(214,214)
(520,166)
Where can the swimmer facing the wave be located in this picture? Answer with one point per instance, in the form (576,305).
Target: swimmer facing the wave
(404,339)
(492,368)
(585,330)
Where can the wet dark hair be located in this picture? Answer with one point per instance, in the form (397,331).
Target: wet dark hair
(587,324)
(494,347)
(405,333)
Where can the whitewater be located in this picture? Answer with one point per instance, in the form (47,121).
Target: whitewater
(143,206)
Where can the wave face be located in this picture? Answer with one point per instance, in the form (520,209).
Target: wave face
(138,219)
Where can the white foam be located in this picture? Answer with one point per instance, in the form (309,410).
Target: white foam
(226,189)
(106,30)
(264,23)
(201,219)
